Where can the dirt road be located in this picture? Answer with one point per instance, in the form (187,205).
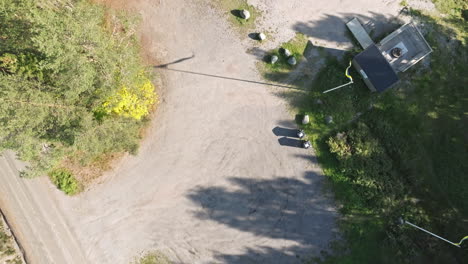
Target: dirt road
(211,183)
(34,217)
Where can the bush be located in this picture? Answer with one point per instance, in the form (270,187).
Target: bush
(65,181)
(153,258)
(72,83)
(363,160)
(134,102)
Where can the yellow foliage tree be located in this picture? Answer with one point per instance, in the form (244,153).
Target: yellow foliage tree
(134,103)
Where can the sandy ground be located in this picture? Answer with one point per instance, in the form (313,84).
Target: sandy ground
(211,183)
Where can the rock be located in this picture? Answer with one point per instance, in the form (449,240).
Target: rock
(341,135)
(245,14)
(305,120)
(292,60)
(287,53)
(329,119)
(318,101)
(261,36)
(273,59)
(300,133)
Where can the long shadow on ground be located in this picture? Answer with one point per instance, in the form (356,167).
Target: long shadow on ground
(280,208)
(332,28)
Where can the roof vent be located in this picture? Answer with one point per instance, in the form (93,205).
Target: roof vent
(396,52)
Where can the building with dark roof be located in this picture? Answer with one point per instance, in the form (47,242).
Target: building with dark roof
(379,63)
(376,71)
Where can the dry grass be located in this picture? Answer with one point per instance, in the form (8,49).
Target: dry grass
(86,175)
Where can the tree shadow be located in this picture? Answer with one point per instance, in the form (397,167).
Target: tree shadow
(302,75)
(267,255)
(332,28)
(259,54)
(280,208)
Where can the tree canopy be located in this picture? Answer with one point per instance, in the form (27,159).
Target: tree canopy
(72,83)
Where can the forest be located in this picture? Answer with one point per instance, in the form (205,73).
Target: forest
(74,91)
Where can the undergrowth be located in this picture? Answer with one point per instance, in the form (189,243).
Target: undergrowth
(401,153)
(65,181)
(73,88)
(154,257)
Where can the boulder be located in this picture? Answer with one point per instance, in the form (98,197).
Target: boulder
(292,60)
(287,53)
(305,120)
(318,101)
(329,119)
(273,59)
(261,36)
(245,14)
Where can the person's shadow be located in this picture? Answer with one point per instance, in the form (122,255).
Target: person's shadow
(174,62)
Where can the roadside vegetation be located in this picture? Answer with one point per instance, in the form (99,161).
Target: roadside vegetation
(153,257)
(74,93)
(8,254)
(401,153)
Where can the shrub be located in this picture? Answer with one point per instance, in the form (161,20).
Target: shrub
(132,102)
(153,258)
(72,83)
(65,181)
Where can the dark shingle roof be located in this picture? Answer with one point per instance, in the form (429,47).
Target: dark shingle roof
(376,67)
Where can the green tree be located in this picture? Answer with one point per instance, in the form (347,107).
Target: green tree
(61,63)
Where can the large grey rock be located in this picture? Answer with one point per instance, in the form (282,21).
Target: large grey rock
(261,36)
(305,120)
(329,119)
(318,101)
(287,53)
(292,60)
(273,59)
(245,14)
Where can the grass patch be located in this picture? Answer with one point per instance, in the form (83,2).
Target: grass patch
(451,7)
(232,8)
(296,46)
(153,258)
(8,253)
(404,156)
(65,181)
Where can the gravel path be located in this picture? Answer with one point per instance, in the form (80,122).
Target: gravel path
(211,183)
